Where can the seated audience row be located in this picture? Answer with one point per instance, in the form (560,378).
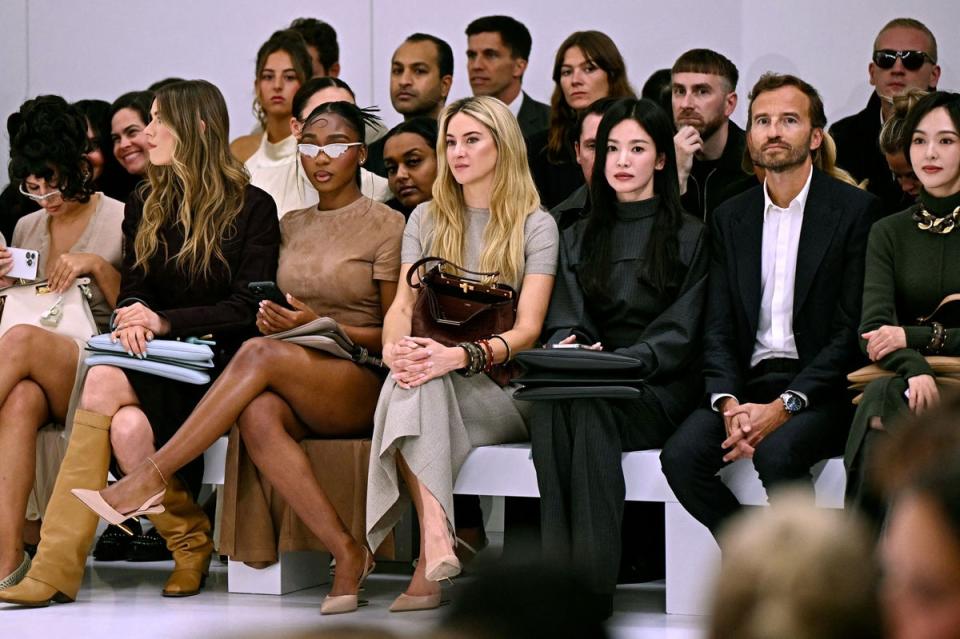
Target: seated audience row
(769,291)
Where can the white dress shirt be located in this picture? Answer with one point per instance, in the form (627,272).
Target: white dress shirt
(778,273)
(516,105)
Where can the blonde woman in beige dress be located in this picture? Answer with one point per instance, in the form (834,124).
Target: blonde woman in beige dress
(485,216)
(76,233)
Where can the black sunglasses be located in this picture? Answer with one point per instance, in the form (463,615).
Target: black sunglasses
(912,60)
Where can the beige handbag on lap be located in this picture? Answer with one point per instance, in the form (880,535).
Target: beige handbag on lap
(36,305)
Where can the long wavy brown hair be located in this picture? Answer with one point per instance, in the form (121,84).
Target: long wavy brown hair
(201,190)
(598,48)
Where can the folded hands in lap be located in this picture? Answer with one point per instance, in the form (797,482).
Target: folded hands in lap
(135,325)
(414,361)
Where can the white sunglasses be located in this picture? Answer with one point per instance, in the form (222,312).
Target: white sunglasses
(40,199)
(332,151)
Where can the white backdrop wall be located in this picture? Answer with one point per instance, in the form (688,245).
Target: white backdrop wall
(102,48)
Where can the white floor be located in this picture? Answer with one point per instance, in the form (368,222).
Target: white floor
(123,600)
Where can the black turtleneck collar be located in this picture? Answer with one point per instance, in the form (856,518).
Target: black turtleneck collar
(637,210)
(939,206)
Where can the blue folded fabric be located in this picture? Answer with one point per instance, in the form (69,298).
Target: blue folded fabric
(159,348)
(176,372)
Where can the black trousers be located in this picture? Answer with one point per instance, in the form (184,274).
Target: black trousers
(577,447)
(692,456)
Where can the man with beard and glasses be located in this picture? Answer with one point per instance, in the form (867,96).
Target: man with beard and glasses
(709,146)
(780,334)
(904,58)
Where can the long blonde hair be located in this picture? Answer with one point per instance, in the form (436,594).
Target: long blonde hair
(202,189)
(513,196)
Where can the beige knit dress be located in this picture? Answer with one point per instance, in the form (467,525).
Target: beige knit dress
(434,426)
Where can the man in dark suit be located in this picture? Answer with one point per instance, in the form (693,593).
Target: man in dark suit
(904,58)
(783,308)
(498,48)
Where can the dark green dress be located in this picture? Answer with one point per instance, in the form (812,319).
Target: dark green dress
(908,272)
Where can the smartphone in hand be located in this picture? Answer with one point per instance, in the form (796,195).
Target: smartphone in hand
(25,262)
(269,291)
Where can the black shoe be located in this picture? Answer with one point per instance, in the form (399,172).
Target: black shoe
(149,546)
(114,544)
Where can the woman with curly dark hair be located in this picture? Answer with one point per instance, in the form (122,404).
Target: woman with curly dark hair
(76,232)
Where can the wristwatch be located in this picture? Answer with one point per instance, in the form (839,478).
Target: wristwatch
(792,402)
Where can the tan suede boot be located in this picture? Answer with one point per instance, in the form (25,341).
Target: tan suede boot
(186,530)
(68,526)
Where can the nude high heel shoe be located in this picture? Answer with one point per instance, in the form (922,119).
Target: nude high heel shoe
(411,603)
(339,604)
(93,500)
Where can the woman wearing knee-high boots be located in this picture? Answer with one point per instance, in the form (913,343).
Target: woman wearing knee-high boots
(632,280)
(75,231)
(199,234)
(339,259)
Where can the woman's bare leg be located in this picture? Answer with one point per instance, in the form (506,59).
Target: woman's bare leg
(50,360)
(21,415)
(131,437)
(434,530)
(271,433)
(36,380)
(261,364)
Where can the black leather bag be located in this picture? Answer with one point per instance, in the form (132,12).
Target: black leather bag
(571,373)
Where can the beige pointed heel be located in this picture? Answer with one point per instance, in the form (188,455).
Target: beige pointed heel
(411,603)
(93,500)
(340,604)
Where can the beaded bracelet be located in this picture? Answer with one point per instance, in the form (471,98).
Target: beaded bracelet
(506,345)
(937,339)
(488,350)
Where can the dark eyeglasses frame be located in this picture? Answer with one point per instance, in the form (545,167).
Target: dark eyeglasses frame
(912,60)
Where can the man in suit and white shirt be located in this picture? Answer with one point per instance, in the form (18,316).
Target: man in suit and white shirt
(498,48)
(783,308)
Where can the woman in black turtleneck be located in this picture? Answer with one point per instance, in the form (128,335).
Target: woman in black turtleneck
(913,262)
(632,279)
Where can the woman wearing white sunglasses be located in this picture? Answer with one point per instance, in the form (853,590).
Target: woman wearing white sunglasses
(338,259)
(75,231)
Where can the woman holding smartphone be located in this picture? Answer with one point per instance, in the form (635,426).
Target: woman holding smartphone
(175,283)
(76,231)
(339,259)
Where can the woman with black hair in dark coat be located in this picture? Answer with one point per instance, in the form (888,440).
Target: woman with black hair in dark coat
(632,280)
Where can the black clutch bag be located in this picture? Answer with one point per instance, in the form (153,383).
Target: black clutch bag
(571,373)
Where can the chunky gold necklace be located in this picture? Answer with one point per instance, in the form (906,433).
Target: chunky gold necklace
(927,221)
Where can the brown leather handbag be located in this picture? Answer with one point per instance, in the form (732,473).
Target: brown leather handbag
(453,309)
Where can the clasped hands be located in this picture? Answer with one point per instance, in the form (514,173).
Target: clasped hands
(134,326)
(748,424)
(414,361)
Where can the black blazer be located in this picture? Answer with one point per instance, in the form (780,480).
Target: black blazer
(857,138)
(827,291)
(533,117)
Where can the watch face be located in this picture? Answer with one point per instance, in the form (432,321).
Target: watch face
(792,403)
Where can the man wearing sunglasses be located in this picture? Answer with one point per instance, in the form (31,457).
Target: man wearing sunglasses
(904,58)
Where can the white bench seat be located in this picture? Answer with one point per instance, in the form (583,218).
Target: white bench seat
(692,555)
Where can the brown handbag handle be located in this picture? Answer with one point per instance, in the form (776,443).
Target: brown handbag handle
(426,260)
(953,297)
